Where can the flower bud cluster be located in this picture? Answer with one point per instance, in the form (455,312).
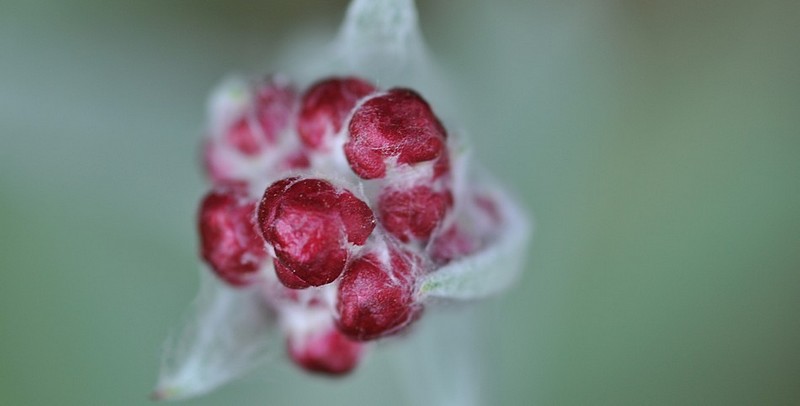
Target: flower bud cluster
(335,202)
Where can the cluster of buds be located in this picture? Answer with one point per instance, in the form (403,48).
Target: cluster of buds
(335,202)
(337,211)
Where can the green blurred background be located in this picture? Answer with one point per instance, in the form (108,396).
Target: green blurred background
(657,142)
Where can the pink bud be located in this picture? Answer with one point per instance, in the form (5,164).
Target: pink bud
(413,213)
(328,352)
(244,137)
(275,103)
(229,242)
(376,298)
(309,223)
(326,105)
(260,124)
(397,125)
(454,243)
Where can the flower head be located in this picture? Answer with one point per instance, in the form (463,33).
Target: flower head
(336,211)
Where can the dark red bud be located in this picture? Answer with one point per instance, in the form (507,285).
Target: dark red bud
(309,223)
(328,352)
(413,213)
(326,105)
(399,124)
(229,242)
(375,298)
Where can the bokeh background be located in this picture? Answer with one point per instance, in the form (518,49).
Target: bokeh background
(657,143)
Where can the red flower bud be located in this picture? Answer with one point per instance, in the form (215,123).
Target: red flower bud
(327,352)
(229,242)
(326,105)
(376,297)
(309,224)
(397,126)
(275,103)
(413,213)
